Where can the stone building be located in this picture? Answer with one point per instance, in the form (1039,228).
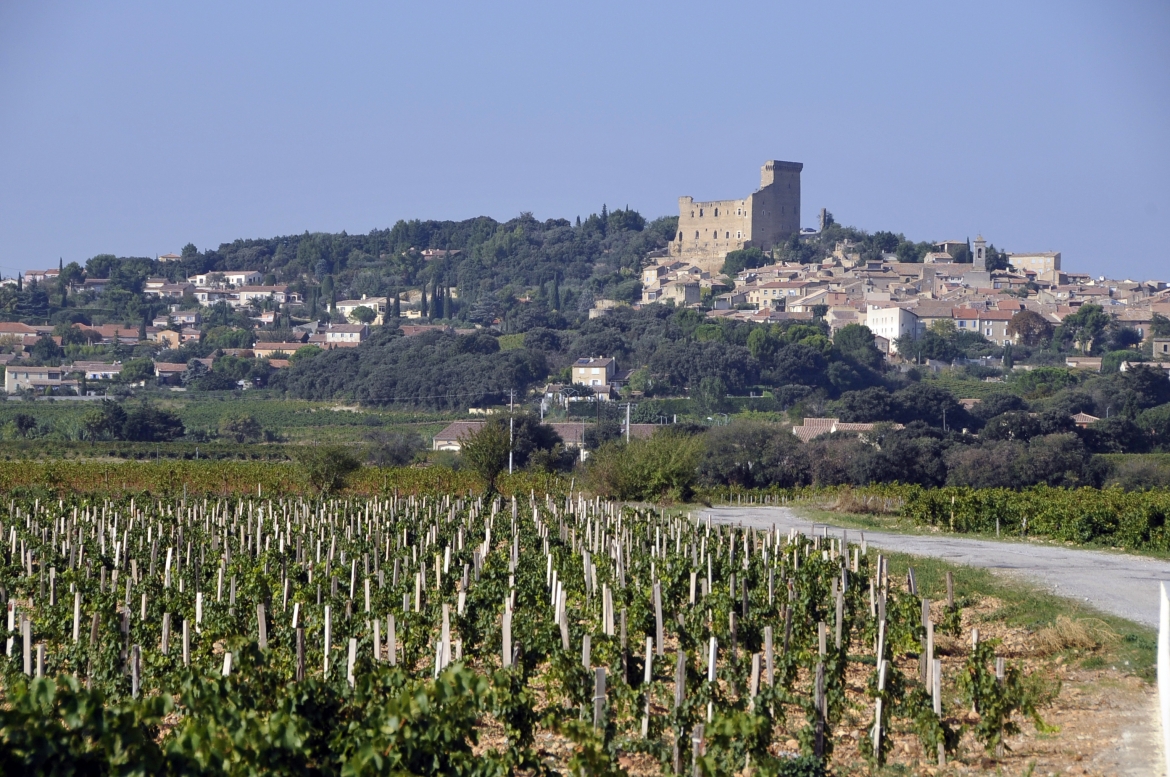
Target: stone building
(1038,263)
(708,231)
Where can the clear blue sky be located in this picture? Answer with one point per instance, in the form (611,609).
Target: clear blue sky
(133,128)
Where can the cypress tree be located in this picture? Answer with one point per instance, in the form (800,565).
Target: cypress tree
(397,305)
(556,294)
(423,299)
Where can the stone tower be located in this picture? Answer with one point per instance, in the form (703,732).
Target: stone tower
(709,230)
(979,254)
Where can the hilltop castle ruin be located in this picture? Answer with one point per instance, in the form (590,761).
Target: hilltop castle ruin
(707,231)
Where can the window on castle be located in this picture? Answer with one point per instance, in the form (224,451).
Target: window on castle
(696,234)
(738,235)
(700,213)
(727,236)
(680,237)
(716,212)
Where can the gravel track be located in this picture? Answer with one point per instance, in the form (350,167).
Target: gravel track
(1115,583)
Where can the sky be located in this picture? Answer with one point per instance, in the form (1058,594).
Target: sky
(134,128)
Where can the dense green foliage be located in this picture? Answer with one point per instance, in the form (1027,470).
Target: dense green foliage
(434,369)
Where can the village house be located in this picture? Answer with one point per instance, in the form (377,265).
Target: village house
(248,295)
(18,377)
(235,278)
(378,305)
(594,371)
(97,370)
(346,335)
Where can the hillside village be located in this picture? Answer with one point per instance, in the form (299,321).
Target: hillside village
(230,319)
(895,298)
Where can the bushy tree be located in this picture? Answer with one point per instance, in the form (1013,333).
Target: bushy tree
(744,259)
(393,448)
(363,314)
(855,342)
(45,350)
(486,451)
(326,467)
(241,428)
(1030,327)
(753,455)
(151,424)
(1086,327)
(662,468)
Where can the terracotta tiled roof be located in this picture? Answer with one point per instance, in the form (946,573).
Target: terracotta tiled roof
(457,430)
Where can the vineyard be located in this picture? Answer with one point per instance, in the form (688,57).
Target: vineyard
(461,635)
(1132,520)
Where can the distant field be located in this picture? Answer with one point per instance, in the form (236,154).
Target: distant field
(967,388)
(292,420)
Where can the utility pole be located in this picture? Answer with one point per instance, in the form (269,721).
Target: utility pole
(627,422)
(511,426)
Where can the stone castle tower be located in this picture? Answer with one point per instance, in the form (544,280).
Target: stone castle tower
(707,231)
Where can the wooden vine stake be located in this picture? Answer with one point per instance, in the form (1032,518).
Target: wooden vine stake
(769,677)
(680,692)
(350,661)
(819,702)
(135,671)
(649,673)
(1000,671)
(878,733)
(658,615)
(936,699)
(599,698)
(506,647)
(300,654)
(261,627)
(696,749)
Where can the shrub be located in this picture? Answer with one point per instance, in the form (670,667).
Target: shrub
(665,467)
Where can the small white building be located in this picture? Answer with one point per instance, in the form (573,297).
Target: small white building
(891,322)
(230,278)
(379,305)
(346,334)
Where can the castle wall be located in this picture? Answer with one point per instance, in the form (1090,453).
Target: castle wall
(709,230)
